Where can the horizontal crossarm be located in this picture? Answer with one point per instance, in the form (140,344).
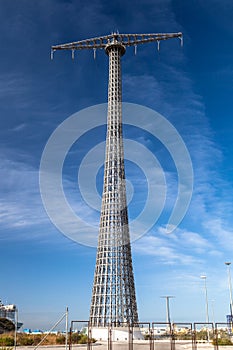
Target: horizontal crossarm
(124,39)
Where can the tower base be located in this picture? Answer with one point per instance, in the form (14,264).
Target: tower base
(116,333)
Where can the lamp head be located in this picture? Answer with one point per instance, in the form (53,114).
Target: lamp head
(203,277)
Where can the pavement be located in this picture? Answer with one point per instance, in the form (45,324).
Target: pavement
(137,345)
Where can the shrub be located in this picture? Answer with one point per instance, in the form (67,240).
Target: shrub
(83,339)
(36,339)
(6,341)
(222,341)
(78,338)
(75,338)
(25,340)
(60,339)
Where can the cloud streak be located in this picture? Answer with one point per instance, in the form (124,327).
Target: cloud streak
(168,90)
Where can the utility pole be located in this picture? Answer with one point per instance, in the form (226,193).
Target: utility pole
(113,294)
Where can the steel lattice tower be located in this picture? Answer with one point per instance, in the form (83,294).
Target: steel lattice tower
(113,295)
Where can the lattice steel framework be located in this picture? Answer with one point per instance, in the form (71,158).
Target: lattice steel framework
(113,295)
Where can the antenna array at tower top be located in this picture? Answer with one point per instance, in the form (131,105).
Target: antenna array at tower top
(102,42)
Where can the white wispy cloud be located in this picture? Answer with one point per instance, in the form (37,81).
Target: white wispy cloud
(221,231)
(13,85)
(187,113)
(21,204)
(164,250)
(184,246)
(20,201)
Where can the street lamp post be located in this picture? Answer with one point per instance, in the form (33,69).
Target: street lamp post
(207,307)
(169,326)
(213,314)
(228,264)
(16,328)
(168,297)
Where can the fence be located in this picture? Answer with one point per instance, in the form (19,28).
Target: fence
(156,336)
(145,335)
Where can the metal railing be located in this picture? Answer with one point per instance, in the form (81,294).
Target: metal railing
(146,335)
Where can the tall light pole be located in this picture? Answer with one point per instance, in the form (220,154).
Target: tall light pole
(228,264)
(207,306)
(168,297)
(213,313)
(16,328)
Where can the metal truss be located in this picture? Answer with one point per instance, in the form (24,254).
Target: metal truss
(113,294)
(124,40)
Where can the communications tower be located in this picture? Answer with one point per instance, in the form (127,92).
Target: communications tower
(113,294)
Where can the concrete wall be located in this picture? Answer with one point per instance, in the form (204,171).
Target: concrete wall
(117,334)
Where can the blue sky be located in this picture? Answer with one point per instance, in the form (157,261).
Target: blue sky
(43,271)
